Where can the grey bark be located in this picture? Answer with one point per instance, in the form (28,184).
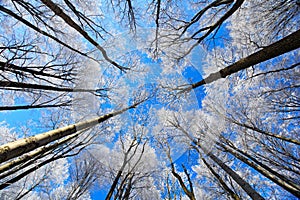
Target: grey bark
(286,44)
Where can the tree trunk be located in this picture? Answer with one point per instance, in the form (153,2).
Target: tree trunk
(4,66)
(28,171)
(31,155)
(281,137)
(287,44)
(19,147)
(11,84)
(29,24)
(114,185)
(26,107)
(223,184)
(265,170)
(239,180)
(58,11)
(120,171)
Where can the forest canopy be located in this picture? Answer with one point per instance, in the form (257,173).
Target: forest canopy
(149,99)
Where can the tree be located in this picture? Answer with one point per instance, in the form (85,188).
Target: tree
(285,45)
(130,167)
(115,85)
(17,148)
(195,144)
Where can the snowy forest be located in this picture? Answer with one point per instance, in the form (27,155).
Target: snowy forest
(149,99)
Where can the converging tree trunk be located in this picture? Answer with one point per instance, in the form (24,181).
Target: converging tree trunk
(221,181)
(19,147)
(263,169)
(239,180)
(211,89)
(286,44)
(58,11)
(12,165)
(19,85)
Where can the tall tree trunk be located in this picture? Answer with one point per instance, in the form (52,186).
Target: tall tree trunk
(264,170)
(287,44)
(114,185)
(128,189)
(26,107)
(120,171)
(239,180)
(35,28)
(189,193)
(58,11)
(11,84)
(251,127)
(219,178)
(30,170)
(19,147)
(31,156)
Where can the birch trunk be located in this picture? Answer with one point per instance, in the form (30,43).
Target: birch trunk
(31,155)
(19,147)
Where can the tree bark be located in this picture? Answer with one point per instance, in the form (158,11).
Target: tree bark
(31,155)
(239,180)
(286,44)
(26,107)
(114,185)
(19,147)
(27,23)
(59,12)
(11,84)
(264,170)
(32,169)
(223,184)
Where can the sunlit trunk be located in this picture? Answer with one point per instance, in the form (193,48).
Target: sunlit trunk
(19,147)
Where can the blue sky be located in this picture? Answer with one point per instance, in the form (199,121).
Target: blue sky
(191,74)
(20,118)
